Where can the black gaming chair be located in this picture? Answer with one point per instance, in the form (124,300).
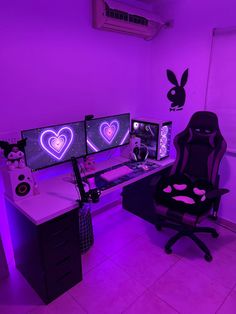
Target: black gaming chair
(191,191)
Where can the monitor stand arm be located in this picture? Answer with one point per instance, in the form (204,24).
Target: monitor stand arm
(79,182)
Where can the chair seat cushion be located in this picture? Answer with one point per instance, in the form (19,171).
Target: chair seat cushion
(177,216)
(184,194)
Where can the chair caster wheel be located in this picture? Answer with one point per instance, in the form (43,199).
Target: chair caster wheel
(215,235)
(168,250)
(208,257)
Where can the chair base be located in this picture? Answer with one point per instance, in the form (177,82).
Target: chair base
(185,231)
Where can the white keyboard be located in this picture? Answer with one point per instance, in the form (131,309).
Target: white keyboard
(116,173)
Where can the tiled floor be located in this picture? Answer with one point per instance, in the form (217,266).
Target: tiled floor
(128,272)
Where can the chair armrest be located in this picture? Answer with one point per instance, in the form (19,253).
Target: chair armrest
(216,193)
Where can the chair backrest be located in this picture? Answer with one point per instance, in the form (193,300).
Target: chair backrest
(200,148)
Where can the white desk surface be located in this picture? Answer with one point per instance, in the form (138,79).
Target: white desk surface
(58,195)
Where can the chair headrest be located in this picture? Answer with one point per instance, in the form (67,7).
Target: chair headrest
(200,137)
(204,122)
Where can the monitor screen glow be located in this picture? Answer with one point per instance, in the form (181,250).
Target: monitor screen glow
(55,144)
(108,132)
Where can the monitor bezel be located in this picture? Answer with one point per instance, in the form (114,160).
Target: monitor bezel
(106,149)
(60,162)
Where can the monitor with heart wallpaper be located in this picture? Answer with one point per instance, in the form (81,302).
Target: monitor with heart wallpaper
(108,132)
(55,144)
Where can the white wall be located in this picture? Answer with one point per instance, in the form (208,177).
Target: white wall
(187,45)
(56,68)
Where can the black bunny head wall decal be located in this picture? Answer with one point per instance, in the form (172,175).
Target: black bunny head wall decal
(177,94)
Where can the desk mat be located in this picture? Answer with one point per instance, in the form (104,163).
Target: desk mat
(135,166)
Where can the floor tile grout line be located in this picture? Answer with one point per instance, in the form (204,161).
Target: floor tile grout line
(83,308)
(220,306)
(167,303)
(109,257)
(136,299)
(98,264)
(186,261)
(130,277)
(138,296)
(125,245)
(174,264)
(127,273)
(201,273)
(154,296)
(117,264)
(147,289)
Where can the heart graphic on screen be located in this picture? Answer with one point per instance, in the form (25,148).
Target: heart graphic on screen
(109,131)
(56,144)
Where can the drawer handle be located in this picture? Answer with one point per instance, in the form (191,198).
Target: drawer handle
(62,261)
(64,276)
(54,234)
(60,244)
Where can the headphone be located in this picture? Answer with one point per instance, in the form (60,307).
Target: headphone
(140,153)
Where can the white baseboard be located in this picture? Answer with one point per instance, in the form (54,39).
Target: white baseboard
(226,223)
(106,207)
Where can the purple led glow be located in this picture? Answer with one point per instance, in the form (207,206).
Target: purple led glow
(57,144)
(164,130)
(109,131)
(92,146)
(125,137)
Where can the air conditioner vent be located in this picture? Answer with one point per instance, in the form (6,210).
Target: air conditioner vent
(125,16)
(115,16)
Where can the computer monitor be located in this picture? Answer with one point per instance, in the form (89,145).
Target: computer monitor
(108,132)
(55,144)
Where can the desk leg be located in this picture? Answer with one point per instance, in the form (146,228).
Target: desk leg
(3,262)
(138,197)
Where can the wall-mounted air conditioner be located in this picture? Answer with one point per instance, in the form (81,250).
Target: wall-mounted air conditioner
(119,17)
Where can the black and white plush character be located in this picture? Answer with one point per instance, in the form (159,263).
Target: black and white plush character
(177,94)
(14,154)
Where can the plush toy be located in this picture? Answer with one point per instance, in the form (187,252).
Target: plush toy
(14,154)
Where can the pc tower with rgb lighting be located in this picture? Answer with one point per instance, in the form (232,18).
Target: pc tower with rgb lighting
(155,135)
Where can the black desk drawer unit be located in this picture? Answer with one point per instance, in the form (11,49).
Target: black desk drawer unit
(138,198)
(48,255)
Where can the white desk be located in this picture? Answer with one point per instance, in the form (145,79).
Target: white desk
(45,230)
(58,195)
